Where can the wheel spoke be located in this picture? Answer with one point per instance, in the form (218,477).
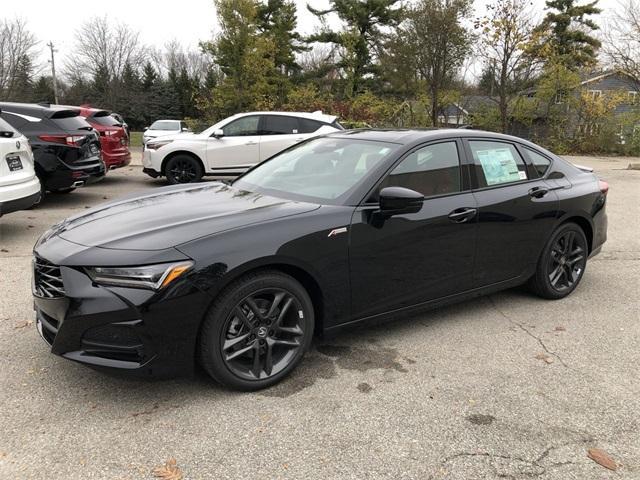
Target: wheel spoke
(277,298)
(568,242)
(254,308)
(268,359)
(556,275)
(239,353)
(295,331)
(286,343)
(256,360)
(243,317)
(232,342)
(284,310)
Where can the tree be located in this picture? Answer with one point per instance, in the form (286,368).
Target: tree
(149,76)
(623,39)
(565,34)
(439,44)
(17,53)
(244,61)
(505,39)
(43,90)
(364,20)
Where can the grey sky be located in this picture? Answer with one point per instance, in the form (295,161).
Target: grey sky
(158,22)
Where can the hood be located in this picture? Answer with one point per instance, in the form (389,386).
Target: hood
(170,216)
(165,134)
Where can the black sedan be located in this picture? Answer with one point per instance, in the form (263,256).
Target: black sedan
(336,231)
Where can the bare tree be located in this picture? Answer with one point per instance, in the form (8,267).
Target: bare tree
(17,53)
(622,39)
(506,33)
(102,47)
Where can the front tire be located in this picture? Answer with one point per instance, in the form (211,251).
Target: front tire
(257,331)
(562,263)
(183,169)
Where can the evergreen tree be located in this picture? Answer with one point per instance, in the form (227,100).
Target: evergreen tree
(101,87)
(565,33)
(22,82)
(364,20)
(43,90)
(149,76)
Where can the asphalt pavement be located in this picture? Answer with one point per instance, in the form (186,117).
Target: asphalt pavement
(507,386)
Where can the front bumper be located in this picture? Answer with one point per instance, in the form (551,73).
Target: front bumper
(140,332)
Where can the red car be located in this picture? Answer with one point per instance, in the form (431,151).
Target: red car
(113,137)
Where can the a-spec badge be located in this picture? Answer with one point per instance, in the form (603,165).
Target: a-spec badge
(17,144)
(337,231)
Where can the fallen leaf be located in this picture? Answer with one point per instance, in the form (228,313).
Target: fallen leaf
(560,328)
(602,458)
(544,357)
(4,250)
(168,471)
(23,324)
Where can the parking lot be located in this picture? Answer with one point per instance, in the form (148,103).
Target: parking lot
(507,386)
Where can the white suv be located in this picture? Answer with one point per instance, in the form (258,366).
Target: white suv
(19,185)
(161,128)
(233,145)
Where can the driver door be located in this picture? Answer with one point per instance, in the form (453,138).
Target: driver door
(238,148)
(408,259)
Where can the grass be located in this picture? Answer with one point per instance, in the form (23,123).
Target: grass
(136,139)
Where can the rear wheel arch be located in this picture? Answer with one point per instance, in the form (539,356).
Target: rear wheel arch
(584,224)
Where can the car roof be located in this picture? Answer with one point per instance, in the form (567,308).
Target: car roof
(409,136)
(35,109)
(318,115)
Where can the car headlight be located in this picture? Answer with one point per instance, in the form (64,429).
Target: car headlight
(153,277)
(151,145)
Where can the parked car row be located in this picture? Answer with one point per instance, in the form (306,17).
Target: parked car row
(65,146)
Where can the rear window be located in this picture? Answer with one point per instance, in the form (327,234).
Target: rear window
(165,125)
(309,126)
(6,130)
(103,118)
(540,163)
(72,123)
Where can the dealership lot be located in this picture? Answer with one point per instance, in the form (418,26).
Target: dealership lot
(508,385)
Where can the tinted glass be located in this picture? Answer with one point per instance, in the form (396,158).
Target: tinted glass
(431,170)
(276,125)
(5,127)
(165,125)
(308,126)
(324,169)
(72,123)
(497,163)
(106,120)
(540,163)
(242,127)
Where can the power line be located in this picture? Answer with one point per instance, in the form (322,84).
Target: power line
(53,72)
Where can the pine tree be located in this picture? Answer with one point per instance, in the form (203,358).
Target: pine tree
(149,76)
(22,83)
(43,90)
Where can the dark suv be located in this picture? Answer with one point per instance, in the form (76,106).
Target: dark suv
(66,148)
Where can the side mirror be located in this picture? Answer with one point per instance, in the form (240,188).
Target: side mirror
(146,128)
(219,133)
(399,200)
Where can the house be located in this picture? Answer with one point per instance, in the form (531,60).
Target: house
(459,114)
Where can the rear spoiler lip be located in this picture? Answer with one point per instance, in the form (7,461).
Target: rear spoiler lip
(583,168)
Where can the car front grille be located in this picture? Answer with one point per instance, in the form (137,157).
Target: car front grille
(47,279)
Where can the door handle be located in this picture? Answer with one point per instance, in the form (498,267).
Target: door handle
(538,192)
(462,215)
(300,139)
(251,142)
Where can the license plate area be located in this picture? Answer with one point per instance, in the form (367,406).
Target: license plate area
(14,163)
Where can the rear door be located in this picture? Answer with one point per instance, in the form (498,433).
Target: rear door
(238,148)
(278,133)
(516,211)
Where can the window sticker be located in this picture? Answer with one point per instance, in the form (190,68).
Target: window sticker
(499,166)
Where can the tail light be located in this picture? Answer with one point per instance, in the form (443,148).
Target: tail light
(603,186)
(72,140)
(108,133)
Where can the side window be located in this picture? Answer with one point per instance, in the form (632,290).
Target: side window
(540,163)
(242,127)
(276,125)
(431,170)
(308,126)
(497,163)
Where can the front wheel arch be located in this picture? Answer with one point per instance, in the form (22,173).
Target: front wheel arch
(166,159)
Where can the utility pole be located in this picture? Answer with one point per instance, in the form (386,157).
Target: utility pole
(53,72)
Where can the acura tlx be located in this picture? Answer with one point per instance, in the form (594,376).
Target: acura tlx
(333,232)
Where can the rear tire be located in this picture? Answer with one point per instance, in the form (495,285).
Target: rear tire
(562,263)
(257,331)
(183,169)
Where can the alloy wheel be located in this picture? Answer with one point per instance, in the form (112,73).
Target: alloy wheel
(567,260)
(183,170)
(263,334)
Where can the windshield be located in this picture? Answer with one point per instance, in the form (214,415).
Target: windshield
(165,125)
(323,170)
